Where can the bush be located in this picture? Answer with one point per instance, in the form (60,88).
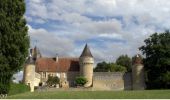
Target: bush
(80,81)
(52,80)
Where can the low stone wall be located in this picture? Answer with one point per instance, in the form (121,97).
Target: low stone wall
(108,81)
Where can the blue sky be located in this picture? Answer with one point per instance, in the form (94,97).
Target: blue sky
(110,27)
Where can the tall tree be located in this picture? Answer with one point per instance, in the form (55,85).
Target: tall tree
(14,40)
(124,60)
(157,61)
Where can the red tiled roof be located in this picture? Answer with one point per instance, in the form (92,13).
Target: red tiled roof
(51,65)
(138,59)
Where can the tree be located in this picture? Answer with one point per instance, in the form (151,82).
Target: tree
(52,80)
(117,68)
(109,67)
(124,60)
(157,61)
(14,41)
(102,67)
(80,81)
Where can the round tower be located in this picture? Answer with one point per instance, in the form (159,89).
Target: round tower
(29,73)
(138,82)
(86,66)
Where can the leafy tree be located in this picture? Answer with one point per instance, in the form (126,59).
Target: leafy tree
(157,61)
(81,80)
(109,67)
(14,41)
(124,60)
(102,67)
(117,68)
(52,80)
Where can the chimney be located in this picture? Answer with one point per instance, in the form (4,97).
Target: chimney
(56,57)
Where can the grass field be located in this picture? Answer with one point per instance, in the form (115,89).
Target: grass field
(145,94)
(18,88)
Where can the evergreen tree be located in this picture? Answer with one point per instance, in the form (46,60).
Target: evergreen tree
(14,41)
(157,61)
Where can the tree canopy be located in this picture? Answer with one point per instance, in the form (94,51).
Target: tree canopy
(124,60)
(14,40)
(157,61)
(109,67)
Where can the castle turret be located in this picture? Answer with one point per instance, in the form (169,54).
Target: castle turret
(29,69)
(86,65)
(29,72)
(138,82)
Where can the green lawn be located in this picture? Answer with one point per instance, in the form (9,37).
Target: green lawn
(18,88)
(146,94)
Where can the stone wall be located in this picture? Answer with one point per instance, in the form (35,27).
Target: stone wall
(108,81)
(71,76)
(127,77)
(112,81)
(37,79)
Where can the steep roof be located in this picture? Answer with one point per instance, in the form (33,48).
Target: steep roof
(86,52)
(51,65)
(137,59)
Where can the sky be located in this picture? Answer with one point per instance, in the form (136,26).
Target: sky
(110,27)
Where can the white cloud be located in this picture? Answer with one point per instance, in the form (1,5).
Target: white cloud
(128,20)
(49,43)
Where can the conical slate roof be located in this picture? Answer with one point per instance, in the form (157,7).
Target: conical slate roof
(86,52)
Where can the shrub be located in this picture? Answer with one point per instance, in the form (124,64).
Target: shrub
(81,81)
(52,80)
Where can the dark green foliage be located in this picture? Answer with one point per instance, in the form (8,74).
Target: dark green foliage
(14,41)
(166,79)
(109,67)
(124,60)
(52,80)
(117,68)
(157,61)
(80,81)
(101,67)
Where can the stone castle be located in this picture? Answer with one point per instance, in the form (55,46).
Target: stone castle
(38,68)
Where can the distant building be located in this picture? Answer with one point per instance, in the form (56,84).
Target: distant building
(38,68)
